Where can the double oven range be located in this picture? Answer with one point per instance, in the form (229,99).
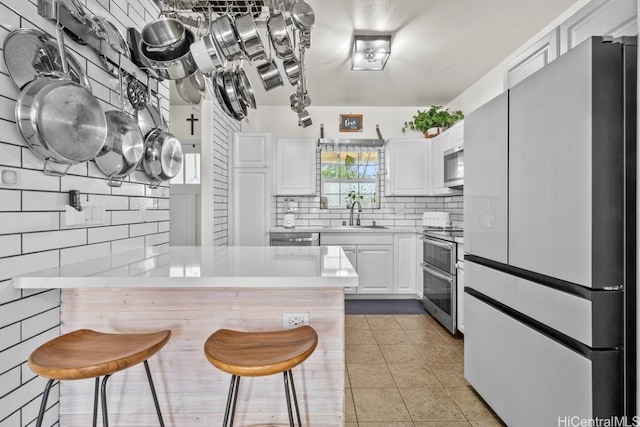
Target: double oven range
(439,259)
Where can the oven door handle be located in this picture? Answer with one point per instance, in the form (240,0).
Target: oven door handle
(446,245)
(436,273)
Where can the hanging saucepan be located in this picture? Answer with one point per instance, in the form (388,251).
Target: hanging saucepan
(218,88)
(150,117)
(269,74)
(176,63)
(225,38)
(244,88)
(165,34)
(190,88)
(60,120)
(249,38)
(277,29)
(302,15)
(162,157)
(206,55)
(292,69)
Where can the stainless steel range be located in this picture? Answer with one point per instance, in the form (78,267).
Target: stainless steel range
(439,268)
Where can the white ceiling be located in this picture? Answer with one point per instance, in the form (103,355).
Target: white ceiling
(438,49)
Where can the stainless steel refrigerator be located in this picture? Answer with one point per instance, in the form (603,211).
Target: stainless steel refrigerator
(550,241)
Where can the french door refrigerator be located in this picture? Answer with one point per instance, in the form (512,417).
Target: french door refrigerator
(550,241)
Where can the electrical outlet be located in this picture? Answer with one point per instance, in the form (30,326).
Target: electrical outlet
(293,320)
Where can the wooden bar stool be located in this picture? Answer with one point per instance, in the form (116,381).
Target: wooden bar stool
(86,354)
(256,354)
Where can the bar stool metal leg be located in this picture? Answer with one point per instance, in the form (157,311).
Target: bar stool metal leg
(231,401)
(295,397)
(153,393)
(43,404)
(105,416)
(288,397)
(96,393)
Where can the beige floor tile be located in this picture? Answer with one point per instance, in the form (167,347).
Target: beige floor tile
(443,424)
(370,375)
(379,405)
(440,353)
(488,423)
(360,336)
(400,354)
(424,336)
(414,375)
(356,321)
(381,321)
(349,409)
(350,424)
(431,404)
(412,321)
(471,405)
(358,353)
(387,424)
(450,374)
(347,383)
(391,336)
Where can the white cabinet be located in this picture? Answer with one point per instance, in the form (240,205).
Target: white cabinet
(447,140)
(375,269)
(407,167)
(460,290)
(404,265)
(250,189)
(373,259)
(532,59)
(296,167)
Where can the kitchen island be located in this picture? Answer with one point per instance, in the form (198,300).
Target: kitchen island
(194,291)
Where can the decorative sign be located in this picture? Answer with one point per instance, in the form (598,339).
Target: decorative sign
(350,122)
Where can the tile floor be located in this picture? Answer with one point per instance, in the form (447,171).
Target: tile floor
(407,371)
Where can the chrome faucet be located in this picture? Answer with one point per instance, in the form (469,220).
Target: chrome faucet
(351,212)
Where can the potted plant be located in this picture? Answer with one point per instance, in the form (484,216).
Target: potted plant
(433,120)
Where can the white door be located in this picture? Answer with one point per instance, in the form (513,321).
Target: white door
(375,269)
(184,215)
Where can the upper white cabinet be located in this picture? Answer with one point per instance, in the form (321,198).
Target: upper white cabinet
(532,59)
(296,167)
(599,18)
(251,150)
(407,167)
(445,141)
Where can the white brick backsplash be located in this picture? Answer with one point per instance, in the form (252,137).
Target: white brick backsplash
(33,325)
(9,336)
(163,226)
(22,222)
(44,201)
(156,239)
(9,132)
(125,245)
(84,184)
(10,155)
(142,229)
(9,200)
(105,234)
(157,215)
(10,245)
(126,217)
(34,242)
(83,253)
(129,189)
(148,202)
(33,180)
(111,203)
(24,308)
(8,292)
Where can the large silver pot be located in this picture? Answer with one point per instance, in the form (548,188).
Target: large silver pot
(164,33)
(169,63)
(249,38)
(280,40)
(162,156)
(123,148)
(226,38)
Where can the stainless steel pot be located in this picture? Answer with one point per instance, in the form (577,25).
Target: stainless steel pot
(292,69)
(243,85)
(249,38)
(164,32)
(269,74)
(238,109)
(162,156)
(226,39)
(190,88)
(171,64)
(205,55)
(123,148)
(277,29)
(60,120)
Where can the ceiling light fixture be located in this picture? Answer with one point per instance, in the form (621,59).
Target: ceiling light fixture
(370,53)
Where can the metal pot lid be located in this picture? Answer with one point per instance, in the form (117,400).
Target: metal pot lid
(30,53)
(171,156)
(70,120)
(302,15)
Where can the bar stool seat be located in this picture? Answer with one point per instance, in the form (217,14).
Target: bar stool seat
(85,353)
(254,354)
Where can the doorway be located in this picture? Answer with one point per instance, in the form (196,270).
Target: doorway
(185,201)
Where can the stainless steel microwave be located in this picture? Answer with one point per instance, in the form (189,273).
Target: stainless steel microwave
(454,167)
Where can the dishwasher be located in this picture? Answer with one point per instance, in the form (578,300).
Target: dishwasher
(297,238)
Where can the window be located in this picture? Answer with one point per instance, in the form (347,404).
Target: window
(190,170)
(345,173)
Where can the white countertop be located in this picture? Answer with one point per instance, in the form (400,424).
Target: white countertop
(208,267)
(345,229)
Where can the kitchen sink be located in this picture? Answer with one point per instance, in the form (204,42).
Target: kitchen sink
(358,227)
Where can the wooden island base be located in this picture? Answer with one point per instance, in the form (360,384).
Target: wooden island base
(191,391)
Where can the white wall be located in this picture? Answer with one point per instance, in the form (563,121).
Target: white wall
(33,235)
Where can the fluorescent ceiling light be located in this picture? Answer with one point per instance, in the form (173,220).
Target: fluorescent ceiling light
(370,52)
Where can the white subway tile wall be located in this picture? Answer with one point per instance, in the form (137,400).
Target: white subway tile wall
(393,211)
(33,235)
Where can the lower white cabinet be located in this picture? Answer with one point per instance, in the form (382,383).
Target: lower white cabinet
(352,254)
(405,254)
(375,269)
